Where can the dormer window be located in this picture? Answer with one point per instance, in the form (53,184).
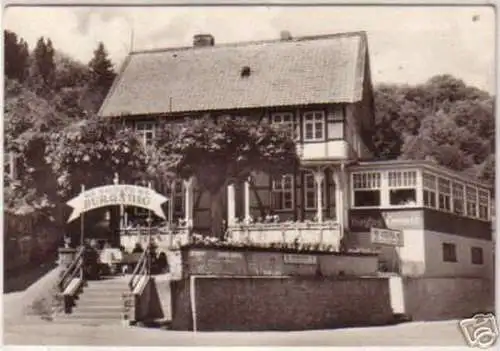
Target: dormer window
(245,71)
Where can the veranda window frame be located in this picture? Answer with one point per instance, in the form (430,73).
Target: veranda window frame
(283,191)
(458,197)
(471,201)
(429,190)
(373,184)
(483,203)
(444,197)
(402,180)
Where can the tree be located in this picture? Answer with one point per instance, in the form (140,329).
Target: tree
(16,55)
(443,119)
(400,110)
(101,68)
(440,139)
(69,73)
(29,120)
(217,152)
(91,151)
(44,65)
(102,76)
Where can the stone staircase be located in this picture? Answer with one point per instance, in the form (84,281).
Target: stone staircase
(100,302)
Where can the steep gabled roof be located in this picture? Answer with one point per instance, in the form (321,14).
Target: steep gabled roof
(307,70)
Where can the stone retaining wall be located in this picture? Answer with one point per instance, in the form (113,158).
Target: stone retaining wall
(279,303)
(430,298)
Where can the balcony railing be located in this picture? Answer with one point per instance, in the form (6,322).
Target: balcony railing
(325,233)
(164,237)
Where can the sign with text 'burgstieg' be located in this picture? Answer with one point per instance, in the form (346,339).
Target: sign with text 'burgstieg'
(387,237)
(118,194)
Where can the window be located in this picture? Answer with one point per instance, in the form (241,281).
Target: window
(314,126)
(310,192)
(282,193)
(449,252)
(178,197)
(430,190)
(366,188)
(403,188)
(483,204)
(444,194)
(471,201)
(458,198)
(145,131)
(286,120)
(476,255)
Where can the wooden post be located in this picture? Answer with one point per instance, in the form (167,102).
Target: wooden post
(231,205)
(247,200)
(149,219)
(398,260)
(318,178)
(116,181)
(82,219)
(171,215)
(82,230)
(339,205)
(188,194)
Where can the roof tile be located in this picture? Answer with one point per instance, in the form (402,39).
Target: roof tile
(301,71)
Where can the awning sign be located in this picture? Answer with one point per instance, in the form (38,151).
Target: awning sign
(118,194)
(387,237)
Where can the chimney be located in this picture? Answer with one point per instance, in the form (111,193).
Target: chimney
(202,40)
(285,35)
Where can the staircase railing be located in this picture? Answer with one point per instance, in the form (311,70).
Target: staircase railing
(140,269)
(75,268)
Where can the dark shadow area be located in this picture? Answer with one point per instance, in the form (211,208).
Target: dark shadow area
(21,279)
(164,325)
(401,318)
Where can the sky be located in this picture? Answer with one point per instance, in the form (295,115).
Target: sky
(407,44)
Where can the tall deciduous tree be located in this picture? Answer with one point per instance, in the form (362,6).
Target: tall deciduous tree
(443,119)
(91,151)
(29,120)
(218,152)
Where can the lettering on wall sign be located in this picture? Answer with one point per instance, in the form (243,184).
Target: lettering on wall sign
(364,220)
(300,259)
(386,237)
